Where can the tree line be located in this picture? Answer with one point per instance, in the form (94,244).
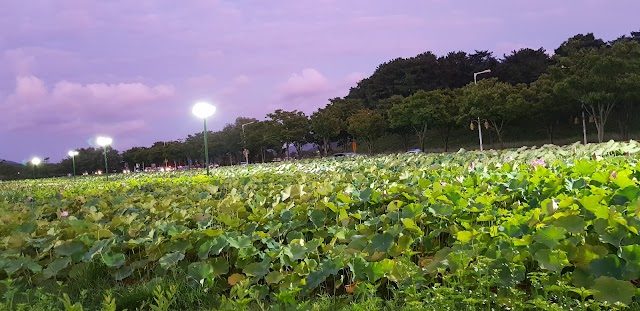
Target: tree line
(428,101)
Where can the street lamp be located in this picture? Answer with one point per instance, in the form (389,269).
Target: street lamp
(475,81)
(73,154)
(104,142)
(475,75)
(204,110)
(35,162)
(244,142)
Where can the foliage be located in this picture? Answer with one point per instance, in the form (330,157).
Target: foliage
(367,125)
(601,79)
(495,102)
(325,126)
(523,66)
(554,226)
(292,126)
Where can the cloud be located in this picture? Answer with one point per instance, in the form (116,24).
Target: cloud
(71,106)
(309,83)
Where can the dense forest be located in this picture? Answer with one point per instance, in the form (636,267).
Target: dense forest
(435,103)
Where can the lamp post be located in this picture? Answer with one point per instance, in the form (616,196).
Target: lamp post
(73,154)
(204,110)
(104,142)
(475,81)
(244,143)
(35,162)
(479,123)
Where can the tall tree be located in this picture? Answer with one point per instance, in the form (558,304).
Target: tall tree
(523,66)
(496,102)
(344,108)
(402,129)
(445,105)
(546,105)
(578,43)
(367,125)
(456,69)
(325,126)
(294,127)
(600,79)
(400,76)
(263,137)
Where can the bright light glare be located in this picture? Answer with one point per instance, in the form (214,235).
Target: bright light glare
(203,110)
(72,153)
(36,161)
(104,141)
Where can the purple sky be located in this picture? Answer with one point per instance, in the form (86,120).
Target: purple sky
(74,69)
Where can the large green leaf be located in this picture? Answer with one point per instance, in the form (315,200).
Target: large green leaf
(611,290)
(274,277)
(550,236)
(171,259)
(123,273)
(212,246)
(554,260)
(258,269)
(573,223)
(113,260)
(317,218)
(382,242)
(609,265)
(201,272)
(593,205)
(56,266)
(220,266)
(631,255)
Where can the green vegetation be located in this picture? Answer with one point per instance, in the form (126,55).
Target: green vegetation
(551,228)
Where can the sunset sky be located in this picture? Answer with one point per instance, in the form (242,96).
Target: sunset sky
(132,69)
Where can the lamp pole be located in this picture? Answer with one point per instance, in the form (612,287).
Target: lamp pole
(475,82)
(35,162)
(73,155)
(244,143)
(203,111)
(206,146)
(584,128)
(105,142)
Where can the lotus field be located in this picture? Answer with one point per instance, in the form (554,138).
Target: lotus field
(548,228)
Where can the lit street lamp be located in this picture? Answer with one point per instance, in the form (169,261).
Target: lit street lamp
(104,142)
(73,154)
(244,142)
(475,81)
(35,162)
(203,111)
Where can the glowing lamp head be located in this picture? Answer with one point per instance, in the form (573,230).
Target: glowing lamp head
(203,110)
(36,161)
(104,141)
(72,153)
